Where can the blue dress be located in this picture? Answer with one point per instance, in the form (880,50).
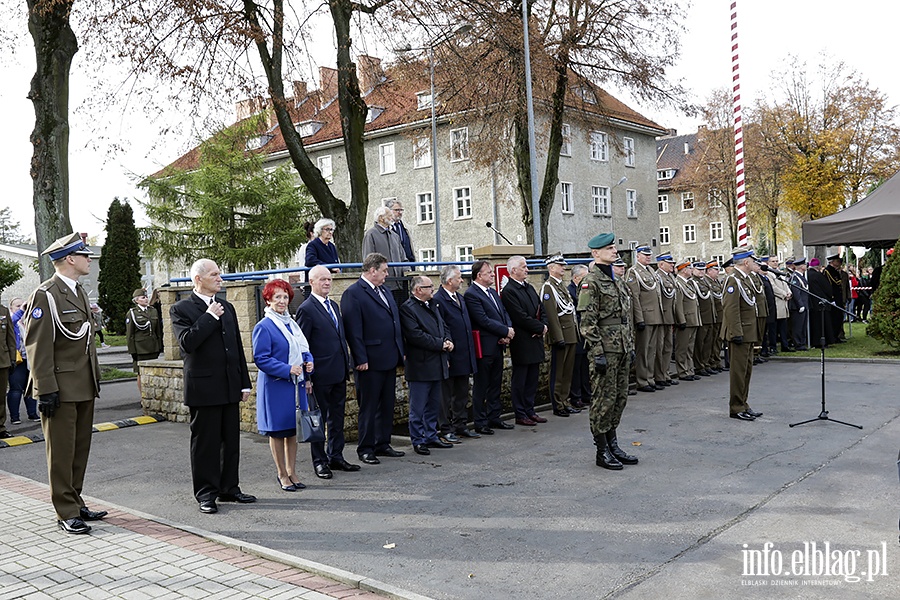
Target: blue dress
(276,412)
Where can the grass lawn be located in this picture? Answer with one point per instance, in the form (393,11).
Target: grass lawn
(114,340)
(858,345)
(109,373)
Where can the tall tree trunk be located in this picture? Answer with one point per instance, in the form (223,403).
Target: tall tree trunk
(54,46)
(551,174)
(353,124)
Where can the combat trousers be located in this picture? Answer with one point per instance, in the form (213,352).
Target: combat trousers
(684,350)
(739,376)
(67,436)
(645,345)
(610,393)
(663,354)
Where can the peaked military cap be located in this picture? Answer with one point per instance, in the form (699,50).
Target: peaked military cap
(665,258)
(741,252)
(799,261)
(790,261)
(619,263)
(699,265)
(683,265)
(557,258)
(66,245)
(713,264)
(139,292)
(835,257)
(728,263)
(601,240)
(644,250)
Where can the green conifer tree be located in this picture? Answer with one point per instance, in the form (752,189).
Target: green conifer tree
(884,323)
(120,265)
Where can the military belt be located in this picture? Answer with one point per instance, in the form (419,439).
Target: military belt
(613,321)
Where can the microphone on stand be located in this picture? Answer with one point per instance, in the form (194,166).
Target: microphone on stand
(766,267)
(489,224)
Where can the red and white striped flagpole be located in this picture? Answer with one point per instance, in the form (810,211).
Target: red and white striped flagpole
(742,237)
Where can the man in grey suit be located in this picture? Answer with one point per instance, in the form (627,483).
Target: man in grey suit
(381,238)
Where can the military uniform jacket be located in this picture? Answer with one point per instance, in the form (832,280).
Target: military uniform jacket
(705,300)
(560,311)
(667,296)
(799,294)
(739,303)
(605,308)
(143,331)
(687,305)
(7,339)
(837,285)
(755,284)
(645,294)
(716,290)
(59,341)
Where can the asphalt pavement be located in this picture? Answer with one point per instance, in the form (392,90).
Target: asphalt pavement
(526,513)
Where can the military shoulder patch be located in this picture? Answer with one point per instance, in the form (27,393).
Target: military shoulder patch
(585,286)
(546,296)
(730,289)
(37,313)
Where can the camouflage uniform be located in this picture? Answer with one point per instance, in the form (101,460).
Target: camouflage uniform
(605,307)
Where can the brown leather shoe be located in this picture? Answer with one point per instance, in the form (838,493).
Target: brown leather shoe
(537,418)
(525,422)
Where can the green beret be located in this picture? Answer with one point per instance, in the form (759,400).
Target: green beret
(601,240)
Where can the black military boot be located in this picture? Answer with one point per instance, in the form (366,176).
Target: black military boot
(613,444)
(605,458)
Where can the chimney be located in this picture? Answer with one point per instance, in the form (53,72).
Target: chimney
(249,107)
(687,148)
(672,132)
(300,92)
(328,84)
(369,71)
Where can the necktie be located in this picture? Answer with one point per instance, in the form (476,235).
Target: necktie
(455,299)
(491,296)
(381,295)
(331,312)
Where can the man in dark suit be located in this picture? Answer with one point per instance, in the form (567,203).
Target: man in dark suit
(489,318)
(799,305)
(216,381)
(452,306)
(400,229)
(427,344)
(527,348)
(320,320)
(372,324)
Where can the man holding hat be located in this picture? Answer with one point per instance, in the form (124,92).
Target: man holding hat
(142,331)
(687,321)
(65,377)
(562,334)
(740,329)
(665,274)
(799,304)
(647,315)
(605,309)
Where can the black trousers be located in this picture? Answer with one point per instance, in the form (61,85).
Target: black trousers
(524,386)
(454,415)
(331,401)
(375,392)
(581,380)
(486,390)
(215,450)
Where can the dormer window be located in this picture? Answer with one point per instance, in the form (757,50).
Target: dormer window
(374,113)
(662,174)
(586,94)
(257,142)
(308,128)
(423,100)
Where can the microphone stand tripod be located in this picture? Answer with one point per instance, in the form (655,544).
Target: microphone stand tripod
(823,416)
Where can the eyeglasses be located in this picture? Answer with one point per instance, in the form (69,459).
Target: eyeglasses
(328,229)
(426,287)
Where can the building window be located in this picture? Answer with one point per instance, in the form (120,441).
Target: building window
(565,197)
(714,197)
(421,152)
(386,160)
(373,113)
(664,239)
(690,234)
(690,259)
(566,148)
(424,208)
(599,146)
(687,201)
(719,258)
(462,200)
(628,143)
(663,174)
(459,144)
(324,164)
(716,232)
(631,203)
(464,254)
(423,100)
(600,200)
(427,255)
(663,200)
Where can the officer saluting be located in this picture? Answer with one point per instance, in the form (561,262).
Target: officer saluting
(605,307)
(65,377)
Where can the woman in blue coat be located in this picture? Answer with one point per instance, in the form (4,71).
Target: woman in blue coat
(281,354)
(321,249)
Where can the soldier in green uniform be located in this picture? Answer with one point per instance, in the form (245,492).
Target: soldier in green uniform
(714,359)
(562,334)
(705,333)
(740,306)
(142,331)
(65,377)
(605,310)
(648,317)
(666,277)
(762,308)
(687,322)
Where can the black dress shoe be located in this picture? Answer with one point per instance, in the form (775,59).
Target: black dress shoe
(467,433)
(561,413)
(369,459)
(573,411)
(90,515)
(662,384)
(389,452)
(484,430)
(240,497)
(658,387)
(343,465)
(753,413)
(323,472)
(74,526)
(450,438)
(501,425)
(646,388)
(695,377)
(209,507)
(438,444)
(422,449)
(687,378)
(743,416)
(702,372)
(673,382)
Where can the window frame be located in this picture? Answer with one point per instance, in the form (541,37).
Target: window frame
(721,229)
(456,204)
(597,199)
(419,206)
(566,201)
(684,233)
(382,155)
(599,146)
(631,200)
(665,236)
(459,146)
(688,196)
(421,148)
(329,176)
(566,148)
(662,200)
(630,152)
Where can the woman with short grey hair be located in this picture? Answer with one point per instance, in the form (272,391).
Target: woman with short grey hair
(321,249)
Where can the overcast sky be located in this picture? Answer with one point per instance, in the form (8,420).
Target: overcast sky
(857,33)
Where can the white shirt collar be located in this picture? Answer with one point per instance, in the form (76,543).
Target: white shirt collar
(206,299)
(71,283)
